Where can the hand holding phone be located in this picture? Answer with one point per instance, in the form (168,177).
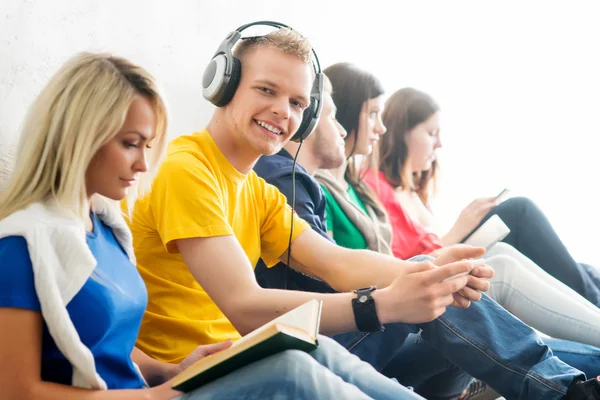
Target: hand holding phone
(476,263)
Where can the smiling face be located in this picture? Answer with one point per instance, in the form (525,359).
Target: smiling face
(370,127)
(422,142)
(268,105)
(117,165)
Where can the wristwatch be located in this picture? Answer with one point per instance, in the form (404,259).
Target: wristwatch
(365,313)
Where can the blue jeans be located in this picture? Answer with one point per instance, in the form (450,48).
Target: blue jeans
(584,357)
(484,341)
(532,234)
(408,358)
(329,372)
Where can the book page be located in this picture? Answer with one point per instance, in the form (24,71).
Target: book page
(305,318)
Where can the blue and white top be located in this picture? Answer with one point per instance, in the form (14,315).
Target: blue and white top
(107,311)
(86,286)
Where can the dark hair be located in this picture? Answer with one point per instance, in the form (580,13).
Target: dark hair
(352,87)
(404,110)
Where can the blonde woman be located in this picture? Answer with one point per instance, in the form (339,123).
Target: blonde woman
(71,299)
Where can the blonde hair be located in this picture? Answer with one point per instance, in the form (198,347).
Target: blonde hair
(82,108)
(286,40)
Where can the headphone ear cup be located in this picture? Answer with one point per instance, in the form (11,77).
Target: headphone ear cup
(308,124)
(230,85)
(213,78)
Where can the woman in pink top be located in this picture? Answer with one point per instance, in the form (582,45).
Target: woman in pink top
(407,171)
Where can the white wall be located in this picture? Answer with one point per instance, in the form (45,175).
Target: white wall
(518,81)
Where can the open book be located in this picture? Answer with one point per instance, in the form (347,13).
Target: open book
(488,234)
(296,329)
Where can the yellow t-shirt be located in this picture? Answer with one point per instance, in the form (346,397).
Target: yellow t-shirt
(198,193)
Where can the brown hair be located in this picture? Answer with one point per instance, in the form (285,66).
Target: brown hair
(352,87)
(404,110)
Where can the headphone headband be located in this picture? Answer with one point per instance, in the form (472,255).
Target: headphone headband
(274,24)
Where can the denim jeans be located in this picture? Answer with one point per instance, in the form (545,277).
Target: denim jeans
(581,356)
(408,358)
(532,234)
(329,372)
(484,341)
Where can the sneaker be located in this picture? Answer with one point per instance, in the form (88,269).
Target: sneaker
(584,390)
(479,390)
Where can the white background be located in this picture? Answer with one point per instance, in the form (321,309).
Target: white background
(518,81)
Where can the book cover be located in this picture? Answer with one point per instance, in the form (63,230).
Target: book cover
(295,330)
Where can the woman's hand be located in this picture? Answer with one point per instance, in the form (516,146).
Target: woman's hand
(468,219)
(201,352)
(164,391)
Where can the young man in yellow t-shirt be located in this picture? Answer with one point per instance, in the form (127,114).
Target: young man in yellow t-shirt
(209,218)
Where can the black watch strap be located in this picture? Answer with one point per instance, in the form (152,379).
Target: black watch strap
(365,314)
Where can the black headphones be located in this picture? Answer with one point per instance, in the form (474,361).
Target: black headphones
(222,76)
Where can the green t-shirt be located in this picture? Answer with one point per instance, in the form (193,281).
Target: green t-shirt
(344,231)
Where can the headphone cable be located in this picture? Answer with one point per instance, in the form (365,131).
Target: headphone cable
(293,212)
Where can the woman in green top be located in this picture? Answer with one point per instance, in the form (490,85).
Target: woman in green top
(359,98)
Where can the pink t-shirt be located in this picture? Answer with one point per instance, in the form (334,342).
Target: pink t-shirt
(409,237)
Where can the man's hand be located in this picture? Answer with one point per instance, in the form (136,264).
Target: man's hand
(421,292)
(456,252)
(477,280)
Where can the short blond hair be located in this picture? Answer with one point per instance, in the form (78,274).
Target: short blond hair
(83,107)
(286,40)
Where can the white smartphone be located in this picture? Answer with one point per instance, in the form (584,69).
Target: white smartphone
(487,235)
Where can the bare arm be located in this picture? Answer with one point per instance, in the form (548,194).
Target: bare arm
(155,372)
(421,214)
(20,369)
(222,268)
(450,238)
(343,269)
(418,294)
